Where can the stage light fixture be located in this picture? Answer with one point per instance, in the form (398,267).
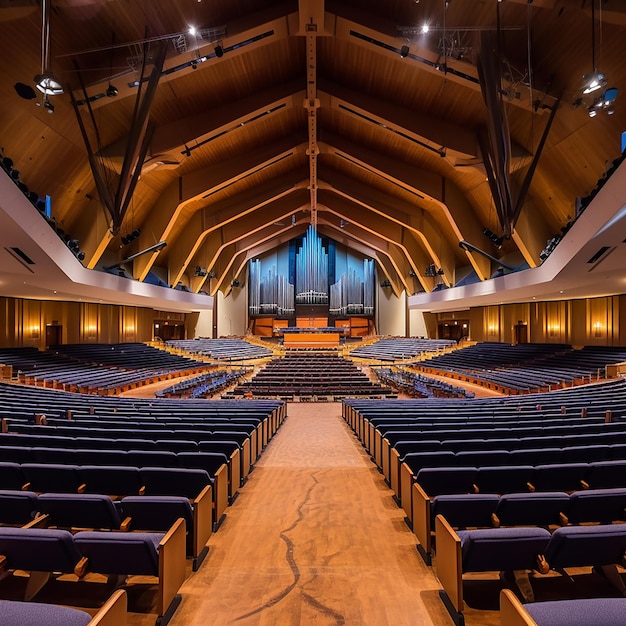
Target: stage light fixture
(493,237)
(48,84)
(404,52)
(593,81)
(432,270)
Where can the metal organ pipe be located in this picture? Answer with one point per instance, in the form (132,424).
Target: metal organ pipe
(271,293)
(312,270)
(350,294)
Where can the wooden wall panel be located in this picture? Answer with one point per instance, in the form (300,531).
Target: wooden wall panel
(593,321)
(23,322)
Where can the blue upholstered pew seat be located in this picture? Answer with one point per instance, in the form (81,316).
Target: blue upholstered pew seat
(581,612)
(112,613)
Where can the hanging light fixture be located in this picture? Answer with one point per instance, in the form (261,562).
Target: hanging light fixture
(594,80)
(46,82)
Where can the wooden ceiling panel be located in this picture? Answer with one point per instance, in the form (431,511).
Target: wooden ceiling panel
(348,70)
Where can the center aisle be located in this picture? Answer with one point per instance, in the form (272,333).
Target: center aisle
(314,538)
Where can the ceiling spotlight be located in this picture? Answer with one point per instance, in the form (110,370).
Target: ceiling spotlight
(493,237)
(425,28)
(593,82)
(219,51)
(48,84)
(604,102)
(111,91)
(404,52)
(432,270)
(194,65)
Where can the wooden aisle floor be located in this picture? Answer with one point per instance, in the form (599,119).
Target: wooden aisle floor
(314,538)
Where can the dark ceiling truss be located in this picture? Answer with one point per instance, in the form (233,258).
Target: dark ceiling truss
(140,136)
(436,65)
(495,142)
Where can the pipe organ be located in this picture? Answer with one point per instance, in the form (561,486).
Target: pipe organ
(304,273)
(352,295)
(312,270)
(271,293)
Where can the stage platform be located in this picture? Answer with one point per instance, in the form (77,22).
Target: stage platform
(311,339)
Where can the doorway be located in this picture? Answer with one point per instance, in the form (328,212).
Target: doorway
(54,335)
(168,330)
(521,332)
(456,330)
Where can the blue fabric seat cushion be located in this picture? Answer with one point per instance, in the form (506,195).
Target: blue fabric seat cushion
(596,611)
(28,613)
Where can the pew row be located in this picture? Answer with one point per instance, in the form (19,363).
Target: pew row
(132,513)
(121,481)
(513,549)
(542,509)
(45,552)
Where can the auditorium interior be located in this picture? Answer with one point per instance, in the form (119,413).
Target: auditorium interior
(313,311)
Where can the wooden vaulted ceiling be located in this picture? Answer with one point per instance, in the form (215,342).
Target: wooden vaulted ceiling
(310,114)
